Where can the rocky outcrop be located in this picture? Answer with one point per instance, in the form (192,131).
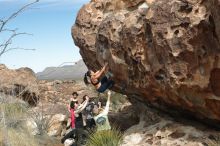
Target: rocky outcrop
(32,127)
(56,125)
(21,83)
(165,52)
(128,114)
(155,129)
(47,118)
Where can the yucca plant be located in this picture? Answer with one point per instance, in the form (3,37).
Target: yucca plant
(111,137)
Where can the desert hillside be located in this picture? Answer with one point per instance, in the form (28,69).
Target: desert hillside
(67,72)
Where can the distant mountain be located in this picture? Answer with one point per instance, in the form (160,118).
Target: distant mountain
(66,72)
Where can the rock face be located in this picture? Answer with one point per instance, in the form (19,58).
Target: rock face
(156,129)
(21,83)
(32,127)
(165,52)
(55,125)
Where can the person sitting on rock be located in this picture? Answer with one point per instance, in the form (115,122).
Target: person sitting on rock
(101,119)
(76,116)
(100,85)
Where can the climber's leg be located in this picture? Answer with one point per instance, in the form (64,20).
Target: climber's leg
(104,80)
(106,85)
(109,75)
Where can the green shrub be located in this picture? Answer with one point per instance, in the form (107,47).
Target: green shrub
(111,137)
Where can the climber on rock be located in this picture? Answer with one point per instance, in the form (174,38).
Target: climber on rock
(101,84)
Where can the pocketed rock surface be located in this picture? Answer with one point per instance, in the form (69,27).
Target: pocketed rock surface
(164,52)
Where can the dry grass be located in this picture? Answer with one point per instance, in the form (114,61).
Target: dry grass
(20,138)
(14,113)
(13,131)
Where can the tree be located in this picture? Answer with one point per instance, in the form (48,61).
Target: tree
(5,45)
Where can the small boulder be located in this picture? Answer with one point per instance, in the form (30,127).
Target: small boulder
(56,125)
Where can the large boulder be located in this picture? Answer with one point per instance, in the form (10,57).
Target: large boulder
(166,53)
(20,83)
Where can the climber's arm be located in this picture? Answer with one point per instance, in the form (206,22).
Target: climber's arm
(106,110)
(100,72)
(81,108)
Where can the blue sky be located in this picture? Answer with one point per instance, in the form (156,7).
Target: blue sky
(50,22)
